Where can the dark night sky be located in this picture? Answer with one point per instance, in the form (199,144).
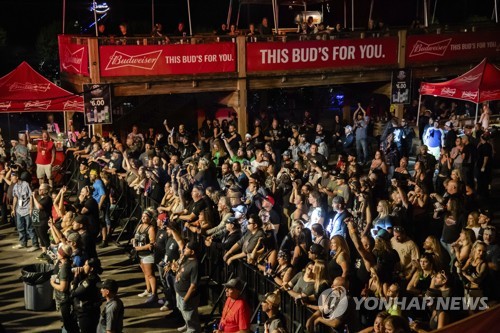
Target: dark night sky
(23,18)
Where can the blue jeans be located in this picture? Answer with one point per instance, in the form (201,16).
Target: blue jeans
(25,228)
(362,150)
(167,281)
(189,313)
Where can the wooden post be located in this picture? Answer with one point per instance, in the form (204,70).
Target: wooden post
(242,85)
(95,73)
(401,64)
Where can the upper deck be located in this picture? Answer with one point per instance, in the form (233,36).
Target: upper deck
(145,65)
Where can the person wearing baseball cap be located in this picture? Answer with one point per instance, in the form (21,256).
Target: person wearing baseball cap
(61,282)
(236,312)
(111,319)
(268,204)
(186,288)
(270,303)
(170,254)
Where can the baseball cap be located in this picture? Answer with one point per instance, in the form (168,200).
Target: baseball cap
(341,176)
(269,199)
(242,209)
(163,217)
(284,254)
(486,212)
(274,299)
(192,245)
(448,124)
(234,284)
(74,237)
(286,153)
(316,249)
(81,219)
(382,233)
(109,284)
(348,127)
(233,220)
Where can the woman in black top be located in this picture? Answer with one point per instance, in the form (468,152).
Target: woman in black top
(143,241)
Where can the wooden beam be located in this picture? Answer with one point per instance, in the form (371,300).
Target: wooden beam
(242,86)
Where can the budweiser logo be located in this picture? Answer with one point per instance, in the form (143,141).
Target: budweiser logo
(437,48)
(28,86)
(426,89)
(73,105)
(471,95)
(144,61)
(490,94)
(448,91)
(5,105)
(73,60)
(40,105)
(469,78)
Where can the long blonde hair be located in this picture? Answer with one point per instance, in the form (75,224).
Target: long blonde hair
(319,271)
(343,247)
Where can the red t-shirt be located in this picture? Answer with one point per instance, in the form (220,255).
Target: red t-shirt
(44,152)
(235,316)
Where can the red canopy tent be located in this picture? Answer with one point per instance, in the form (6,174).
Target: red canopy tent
(25,90)
(480,84)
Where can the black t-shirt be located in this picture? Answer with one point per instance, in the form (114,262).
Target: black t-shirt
(171,250)
(41,216)
(484,150)
(88,244)
(92,214)
(235,143)
(197,207)
(160,244)
(186,276)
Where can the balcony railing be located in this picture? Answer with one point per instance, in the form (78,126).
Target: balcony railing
(193,55)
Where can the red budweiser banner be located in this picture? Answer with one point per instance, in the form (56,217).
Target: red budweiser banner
(322,54)
(464,46)
(168,59)
(74,58)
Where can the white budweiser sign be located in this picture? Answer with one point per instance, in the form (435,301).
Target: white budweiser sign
(28,86)
(5,105)
(144,61)
(469,78)
(73,105)
(490,94)
(73,60)
(470,95)
(437,48)
(446,91)
(39,105)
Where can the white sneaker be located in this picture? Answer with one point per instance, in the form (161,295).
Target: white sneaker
(33,249)
(183,328)
(145,293)
(19,246)
(164,308)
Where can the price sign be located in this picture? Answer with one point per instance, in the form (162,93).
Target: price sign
(97,101)
(401,86)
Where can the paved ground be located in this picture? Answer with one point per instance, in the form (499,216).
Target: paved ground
(15,318)
(138,317)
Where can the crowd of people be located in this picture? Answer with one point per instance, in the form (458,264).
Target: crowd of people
(309,209)
(307,30)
